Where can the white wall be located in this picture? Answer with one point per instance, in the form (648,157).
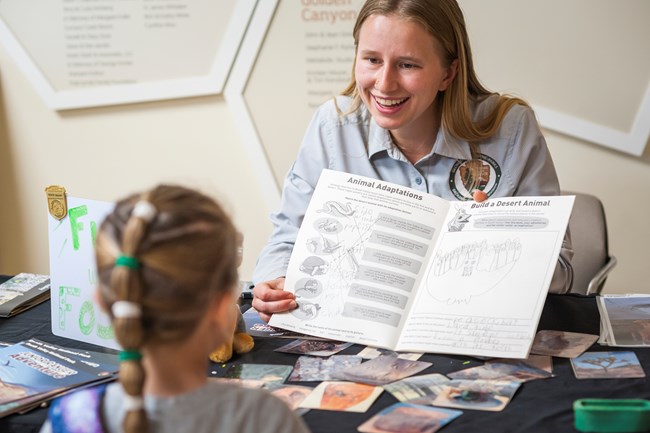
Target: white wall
(106,153)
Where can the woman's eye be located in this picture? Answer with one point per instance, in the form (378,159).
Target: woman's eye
(373,60)
(408,66)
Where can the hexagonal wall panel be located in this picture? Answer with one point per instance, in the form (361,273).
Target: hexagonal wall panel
(82,54)
(281,75)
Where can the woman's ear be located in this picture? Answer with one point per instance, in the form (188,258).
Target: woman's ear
(452,71)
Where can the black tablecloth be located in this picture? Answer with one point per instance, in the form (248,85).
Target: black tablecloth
(538,406)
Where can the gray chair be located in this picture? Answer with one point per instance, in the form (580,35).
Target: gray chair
(591,261)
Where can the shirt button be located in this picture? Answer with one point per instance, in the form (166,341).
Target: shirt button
(418,180)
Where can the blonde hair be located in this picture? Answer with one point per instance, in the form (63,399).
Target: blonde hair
(184,257)
(444,20)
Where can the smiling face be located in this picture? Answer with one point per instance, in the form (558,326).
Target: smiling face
(399,72)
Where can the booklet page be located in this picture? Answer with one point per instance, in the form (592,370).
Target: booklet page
(358,258)
(485,286)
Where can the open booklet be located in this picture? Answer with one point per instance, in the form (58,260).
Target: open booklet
(384,265)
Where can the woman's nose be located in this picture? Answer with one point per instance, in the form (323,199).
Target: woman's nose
(385,80)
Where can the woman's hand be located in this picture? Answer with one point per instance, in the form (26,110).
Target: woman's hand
(269,297)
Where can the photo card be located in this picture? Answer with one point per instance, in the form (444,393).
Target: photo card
(381,370)
(292,396)
(421,389)
(409,418)
(245,383)
(314,368)
(607,365)
(543,362)
(271,374)
(369,352)
(562,344)
(488,395)
(314,347)
(518,371)
(342,396)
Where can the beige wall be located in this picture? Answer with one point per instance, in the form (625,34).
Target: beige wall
(105,153)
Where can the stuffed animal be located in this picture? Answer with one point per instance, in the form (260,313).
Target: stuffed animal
(240,342)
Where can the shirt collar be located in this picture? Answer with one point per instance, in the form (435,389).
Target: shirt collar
(450,146)
(379,140)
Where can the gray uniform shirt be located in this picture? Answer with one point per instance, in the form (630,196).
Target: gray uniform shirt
(213,408)
(515,162)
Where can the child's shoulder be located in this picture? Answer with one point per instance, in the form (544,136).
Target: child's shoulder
(67,407)
(255,410)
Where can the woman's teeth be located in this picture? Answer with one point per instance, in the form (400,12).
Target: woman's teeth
(389,102)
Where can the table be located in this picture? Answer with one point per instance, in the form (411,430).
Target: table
(538,406)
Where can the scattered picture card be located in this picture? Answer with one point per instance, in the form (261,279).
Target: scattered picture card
(369,352)
(543,362)
(292,396)
(342,396)
(607,365)
(421,389)
(478,394)
(502,371)
(245,383)
(272,375)
(407,418)
(258,328)
(382,370)
(562,344)
(314,347)
(313,368)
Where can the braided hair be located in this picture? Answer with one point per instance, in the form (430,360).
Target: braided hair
(162,256)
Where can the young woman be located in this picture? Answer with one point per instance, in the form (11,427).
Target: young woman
(414,114)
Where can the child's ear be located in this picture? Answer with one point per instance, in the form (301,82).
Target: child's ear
(240,248)
(222,311)
(97,297)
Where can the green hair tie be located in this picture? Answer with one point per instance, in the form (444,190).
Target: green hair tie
(127,261)
(130,355)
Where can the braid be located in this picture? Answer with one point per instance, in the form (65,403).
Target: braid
(159,269)
(127,285)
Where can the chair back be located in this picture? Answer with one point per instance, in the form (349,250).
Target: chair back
(588,228)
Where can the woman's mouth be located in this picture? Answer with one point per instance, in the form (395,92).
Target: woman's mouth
(389,103)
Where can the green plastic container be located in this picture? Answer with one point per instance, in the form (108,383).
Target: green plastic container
(598,415)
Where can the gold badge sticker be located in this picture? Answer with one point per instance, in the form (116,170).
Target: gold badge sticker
(56,202)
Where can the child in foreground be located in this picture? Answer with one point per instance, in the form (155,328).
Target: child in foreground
(167,264)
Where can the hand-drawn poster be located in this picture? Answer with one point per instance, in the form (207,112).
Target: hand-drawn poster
(73,273)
